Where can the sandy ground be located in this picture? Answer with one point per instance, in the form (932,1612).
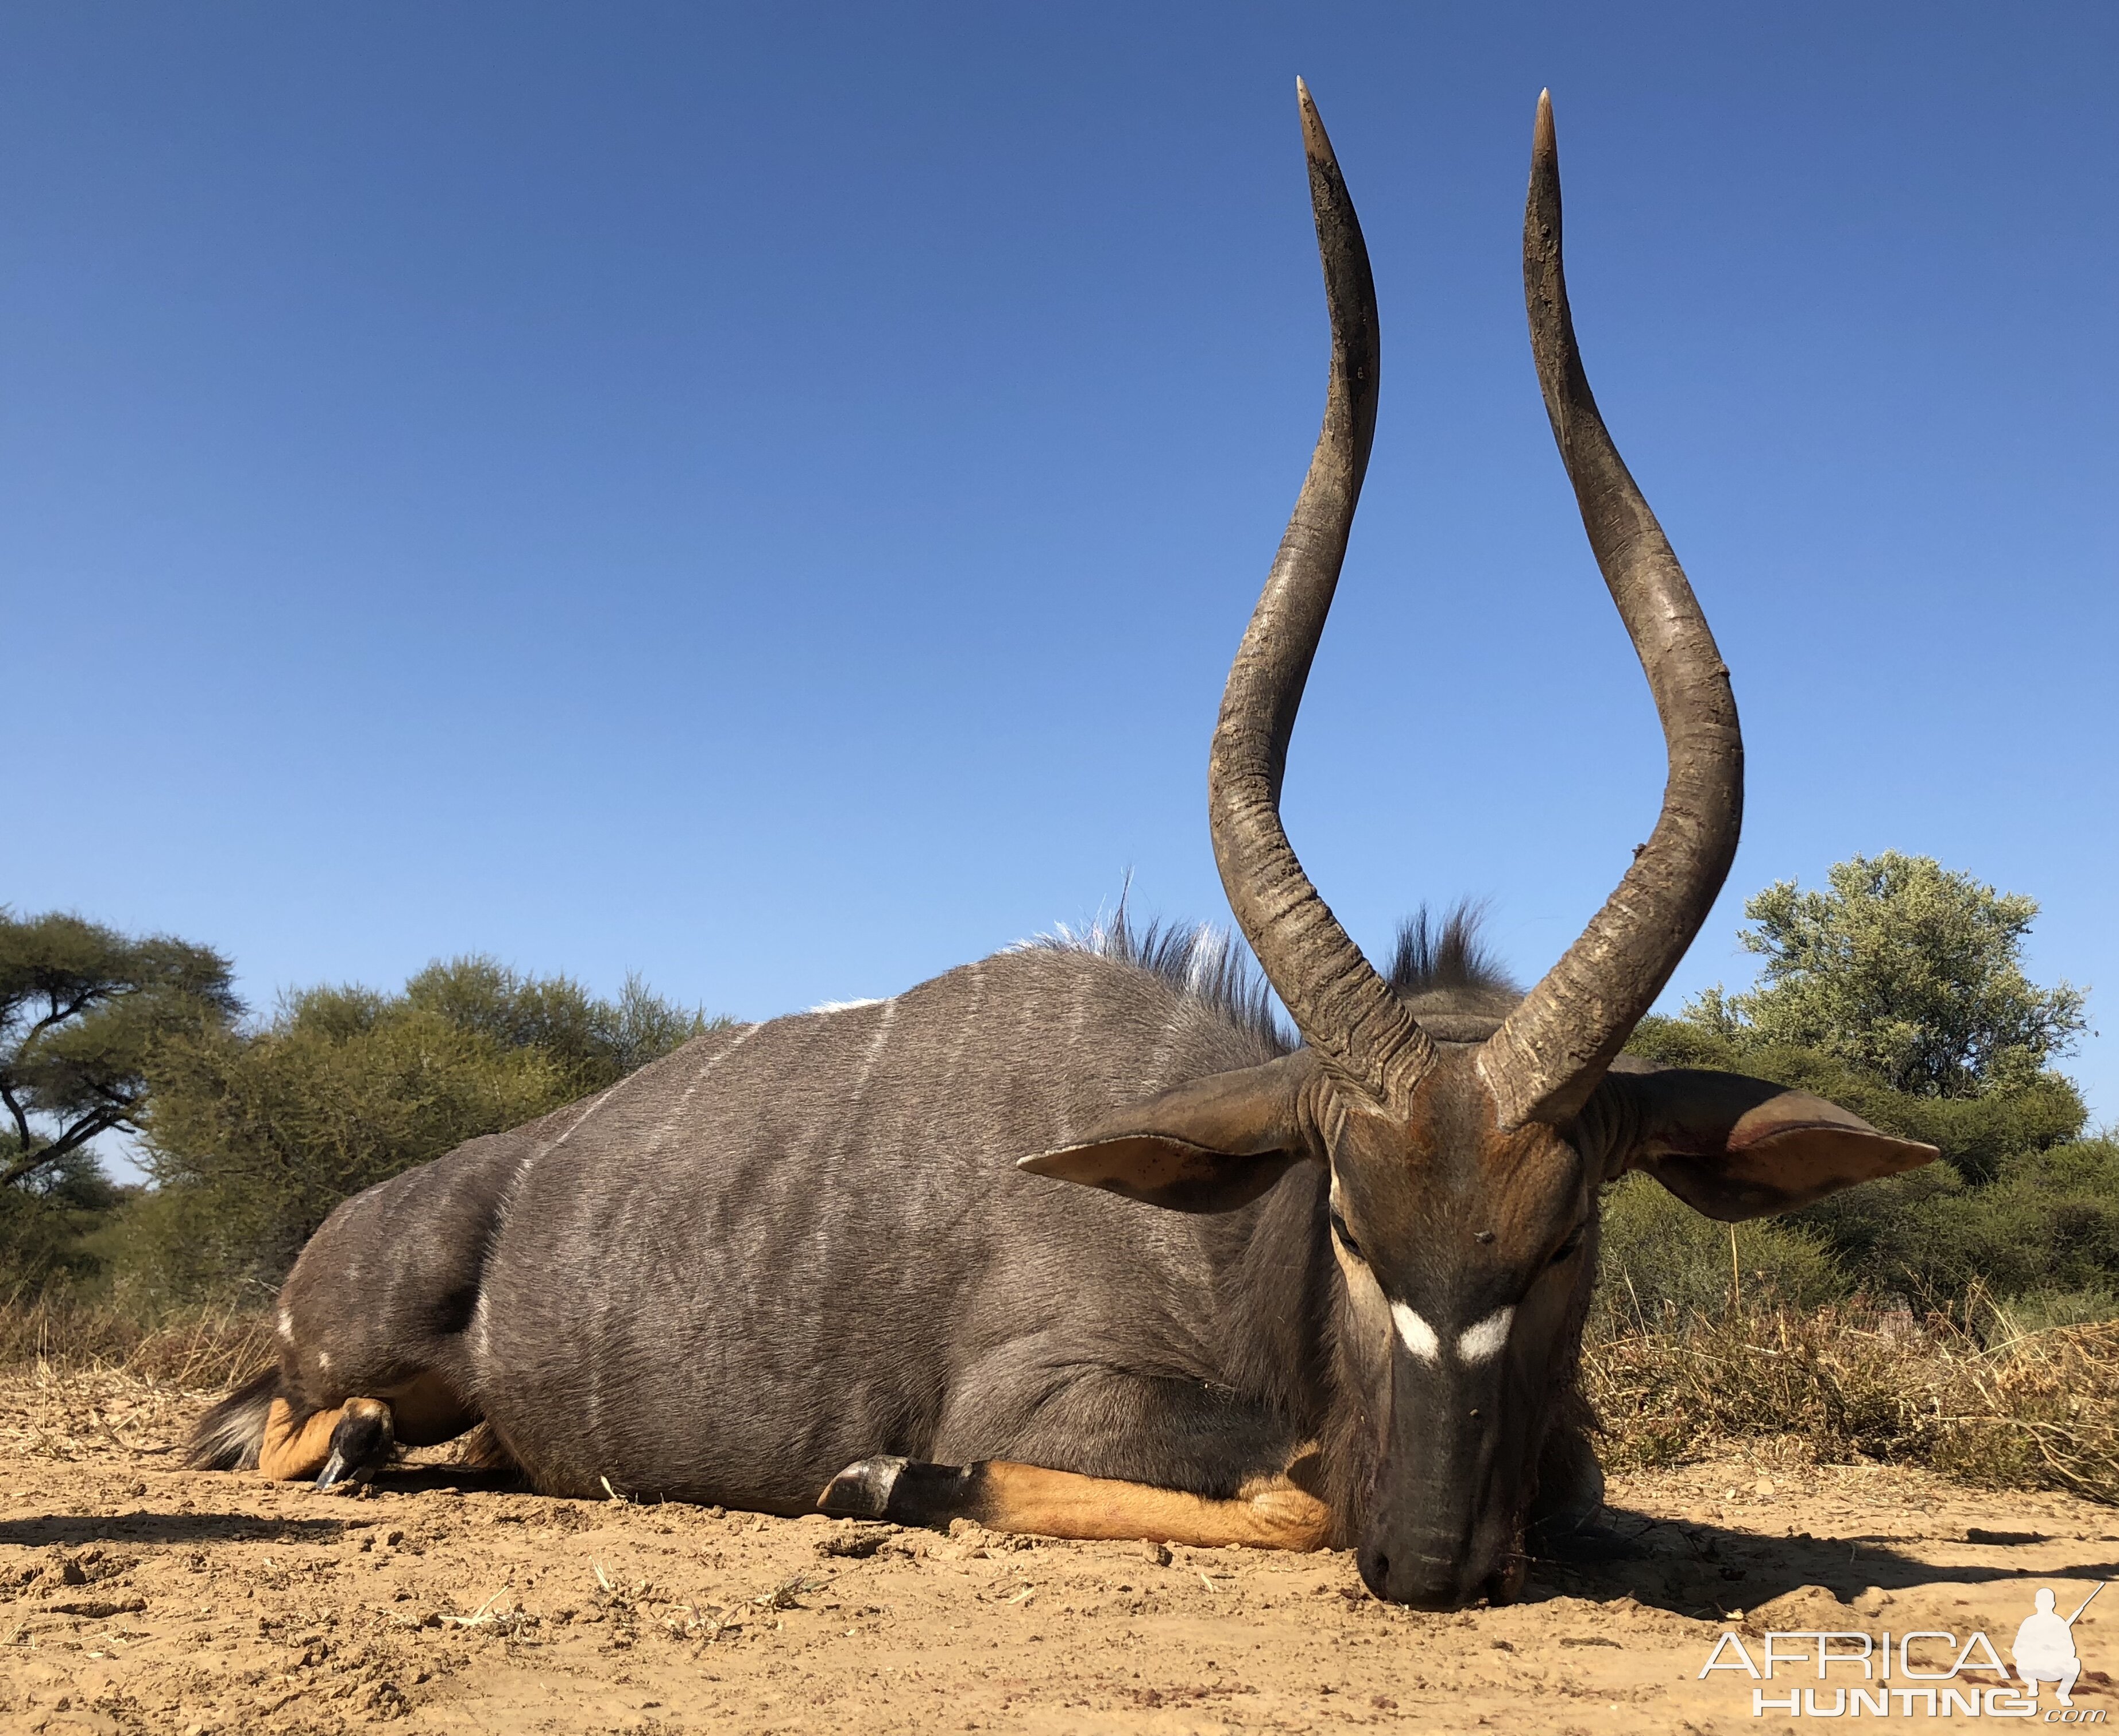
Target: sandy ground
(137,1597)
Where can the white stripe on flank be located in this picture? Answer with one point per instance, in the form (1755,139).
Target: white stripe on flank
(588,1109)
(845,1006)
(1484,1340)
(506,1205)
(605,1096)
(1419,1336)
(874,1046)
(713,1060)
(882,1036)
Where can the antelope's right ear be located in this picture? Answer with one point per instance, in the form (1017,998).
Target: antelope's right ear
(1207,1145)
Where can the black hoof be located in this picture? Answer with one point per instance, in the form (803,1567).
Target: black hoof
(906,1492)
(360,1445)
(862,1491)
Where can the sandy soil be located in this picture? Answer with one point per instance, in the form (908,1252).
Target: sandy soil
(137,1597)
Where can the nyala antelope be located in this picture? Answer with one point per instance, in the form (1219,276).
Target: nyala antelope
(1323,1294)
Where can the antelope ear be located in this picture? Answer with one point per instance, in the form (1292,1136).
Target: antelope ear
(1736,1147)
(1207,1145)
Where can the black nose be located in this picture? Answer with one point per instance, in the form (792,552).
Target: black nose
(1418,1582)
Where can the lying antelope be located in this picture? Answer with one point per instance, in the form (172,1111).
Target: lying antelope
(1323,1295)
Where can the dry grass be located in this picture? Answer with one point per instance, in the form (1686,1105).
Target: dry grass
(195,1350)
(2035,1410)
(79,1378)
(2038,1410)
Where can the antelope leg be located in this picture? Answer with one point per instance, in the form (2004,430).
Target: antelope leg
(349,1439)
(1267,1513)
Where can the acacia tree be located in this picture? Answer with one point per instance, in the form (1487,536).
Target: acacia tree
(1905,969)
(81,1007)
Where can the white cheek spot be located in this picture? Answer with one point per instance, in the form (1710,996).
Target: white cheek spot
(323,1359)
(286,1324)
(1484,1340)
(1419,1336)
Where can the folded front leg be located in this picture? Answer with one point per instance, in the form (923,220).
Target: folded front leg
(1267,1513)
(349,1441)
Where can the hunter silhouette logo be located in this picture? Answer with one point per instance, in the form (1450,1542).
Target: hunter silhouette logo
(1928,1672)
(2044,1651)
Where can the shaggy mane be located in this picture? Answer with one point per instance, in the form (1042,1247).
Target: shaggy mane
(1437,963)
(1201,962)
(1447,958)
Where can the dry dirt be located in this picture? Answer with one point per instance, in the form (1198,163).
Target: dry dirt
(137,1597)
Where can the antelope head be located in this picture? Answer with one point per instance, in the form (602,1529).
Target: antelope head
(1466,1148)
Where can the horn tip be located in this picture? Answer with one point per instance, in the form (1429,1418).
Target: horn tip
(1543,140)
(1315,141)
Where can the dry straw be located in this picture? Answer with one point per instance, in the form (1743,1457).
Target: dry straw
(1965,1394)
(190,1350)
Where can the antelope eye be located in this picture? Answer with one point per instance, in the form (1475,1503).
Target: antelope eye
(1346,1237)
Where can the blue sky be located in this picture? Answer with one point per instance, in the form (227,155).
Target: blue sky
(765,497)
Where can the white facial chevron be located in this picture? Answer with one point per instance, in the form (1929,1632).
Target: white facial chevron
(1480,1343)
(1484,1340)
(1419,1336)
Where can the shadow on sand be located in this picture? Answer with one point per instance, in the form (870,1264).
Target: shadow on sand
(1704,1571)
(333,1517)
(1708,1572)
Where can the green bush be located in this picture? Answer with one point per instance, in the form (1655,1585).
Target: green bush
(594,1043)
(255,1137)
(2048,1223)
(1660,1261)
(45,1219)
(1907,971)
(2043,1236)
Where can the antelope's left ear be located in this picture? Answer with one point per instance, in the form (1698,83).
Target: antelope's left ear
(1209,1145)
(1736,1147)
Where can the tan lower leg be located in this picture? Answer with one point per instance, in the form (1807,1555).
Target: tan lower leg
(1270,1513)
(483,1450)
(291,1450)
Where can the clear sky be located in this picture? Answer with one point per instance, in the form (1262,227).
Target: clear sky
(766,496)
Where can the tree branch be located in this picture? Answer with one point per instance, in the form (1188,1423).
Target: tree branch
(59,1015)
(15,1109)
(75,1137)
